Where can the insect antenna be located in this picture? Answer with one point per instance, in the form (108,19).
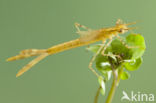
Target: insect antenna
(131,23)
(131,28)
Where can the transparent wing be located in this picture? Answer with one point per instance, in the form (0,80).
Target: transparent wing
(88,35)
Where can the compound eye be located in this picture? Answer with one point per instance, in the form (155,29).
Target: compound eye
(121,30)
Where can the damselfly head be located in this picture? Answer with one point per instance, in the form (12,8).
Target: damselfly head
(122,27)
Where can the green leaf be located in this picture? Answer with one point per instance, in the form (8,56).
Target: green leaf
(102,84)
(137,41)
(106,75)
(131,57)
(94,48)
(124,75)
(133,65)
(119,49)
(102,63)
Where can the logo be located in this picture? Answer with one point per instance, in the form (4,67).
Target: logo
(137,97)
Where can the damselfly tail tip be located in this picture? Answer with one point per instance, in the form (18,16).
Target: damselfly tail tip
(19,74)
(11,59)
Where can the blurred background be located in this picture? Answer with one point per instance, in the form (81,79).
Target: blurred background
(65,77)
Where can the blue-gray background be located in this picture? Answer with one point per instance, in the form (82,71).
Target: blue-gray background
(65,77)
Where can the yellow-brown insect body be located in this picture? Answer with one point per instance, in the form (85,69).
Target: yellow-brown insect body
(68,45)
(87,37)
(101,34)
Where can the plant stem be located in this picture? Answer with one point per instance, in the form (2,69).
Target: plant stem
(114,84)
(119,74)
(116,80)
(97,95)
(112,91)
